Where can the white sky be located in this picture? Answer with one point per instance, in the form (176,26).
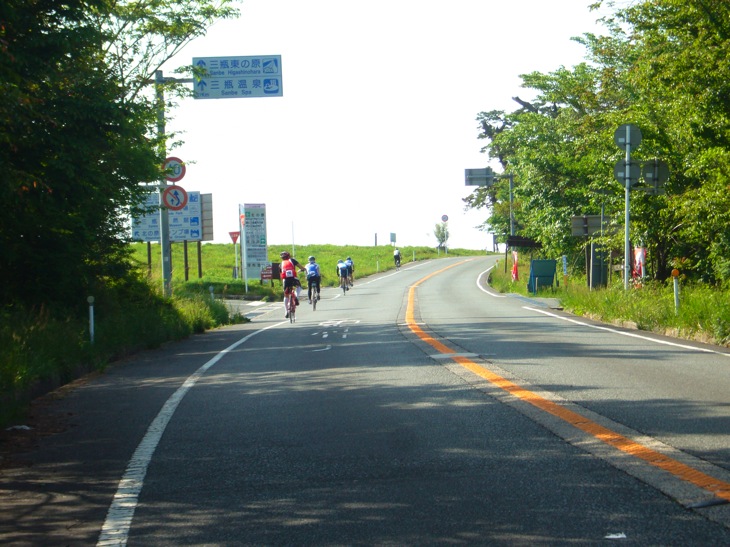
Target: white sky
(378,114)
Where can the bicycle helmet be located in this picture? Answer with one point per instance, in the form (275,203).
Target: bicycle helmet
(348,258)
(285,255)
(311,259)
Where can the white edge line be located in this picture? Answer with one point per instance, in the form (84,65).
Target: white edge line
(623,333)
(115,530)
(490,293)
(598,327)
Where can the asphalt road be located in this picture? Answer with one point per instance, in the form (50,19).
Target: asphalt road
(417,409)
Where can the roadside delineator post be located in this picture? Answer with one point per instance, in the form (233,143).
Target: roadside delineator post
(675,275)
(90,300)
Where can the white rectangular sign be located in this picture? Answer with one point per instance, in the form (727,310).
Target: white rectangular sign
(185,224)
(237,77)
(255,251)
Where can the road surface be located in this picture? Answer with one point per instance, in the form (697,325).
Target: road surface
(420,408)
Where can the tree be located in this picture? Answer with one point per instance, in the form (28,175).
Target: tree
(76,137)
(441,231)
(662,66)
(140,36)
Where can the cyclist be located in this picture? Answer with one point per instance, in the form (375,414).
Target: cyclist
(350,269)
(342,273)
(396,258)
(314,278)
(289,278)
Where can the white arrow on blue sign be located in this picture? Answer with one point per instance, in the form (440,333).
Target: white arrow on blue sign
(238,77)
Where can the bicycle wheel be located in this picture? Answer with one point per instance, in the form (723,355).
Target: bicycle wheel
(313,298)
(343,284)
(292,308)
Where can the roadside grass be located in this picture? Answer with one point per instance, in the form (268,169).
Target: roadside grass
(218,260)
(42,349)
(703,313)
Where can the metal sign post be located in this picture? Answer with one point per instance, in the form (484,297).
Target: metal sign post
(625,137)
(164,219)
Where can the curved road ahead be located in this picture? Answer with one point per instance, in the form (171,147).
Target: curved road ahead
(420,408)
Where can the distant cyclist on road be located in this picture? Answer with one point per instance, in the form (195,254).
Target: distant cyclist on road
(342,273)
(314,279)
(350,270)
(396,258)
(289,278)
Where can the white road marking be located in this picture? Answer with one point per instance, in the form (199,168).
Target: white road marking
(490,293)
(598,327)
(630,334)
(115,530)
(327,348)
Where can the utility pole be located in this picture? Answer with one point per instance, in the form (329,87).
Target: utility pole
(160,80)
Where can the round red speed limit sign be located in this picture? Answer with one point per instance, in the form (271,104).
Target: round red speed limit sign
(174,169)
(174,197)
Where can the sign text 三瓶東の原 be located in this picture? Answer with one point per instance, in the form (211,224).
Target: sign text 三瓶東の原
(237,77)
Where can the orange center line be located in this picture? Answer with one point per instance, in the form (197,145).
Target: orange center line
(680,470)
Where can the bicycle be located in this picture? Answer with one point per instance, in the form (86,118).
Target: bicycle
(313,295)
(291,307)
(344,284)
(397,264)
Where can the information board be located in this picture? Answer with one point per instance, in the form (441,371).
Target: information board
(237,77)
(254,247)
(185,224)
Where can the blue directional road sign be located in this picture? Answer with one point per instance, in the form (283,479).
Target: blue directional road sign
(237,77)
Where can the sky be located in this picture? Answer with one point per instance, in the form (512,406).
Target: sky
(377,121)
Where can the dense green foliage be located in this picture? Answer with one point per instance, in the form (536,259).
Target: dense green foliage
(662,66)
(79,139)
(72,153)
(78,135)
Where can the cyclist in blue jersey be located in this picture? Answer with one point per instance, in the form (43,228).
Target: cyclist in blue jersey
(314,279)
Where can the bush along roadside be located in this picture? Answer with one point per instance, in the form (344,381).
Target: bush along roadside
(702,313)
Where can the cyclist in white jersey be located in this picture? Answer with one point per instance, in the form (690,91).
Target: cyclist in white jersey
(350,269)
(343,273)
